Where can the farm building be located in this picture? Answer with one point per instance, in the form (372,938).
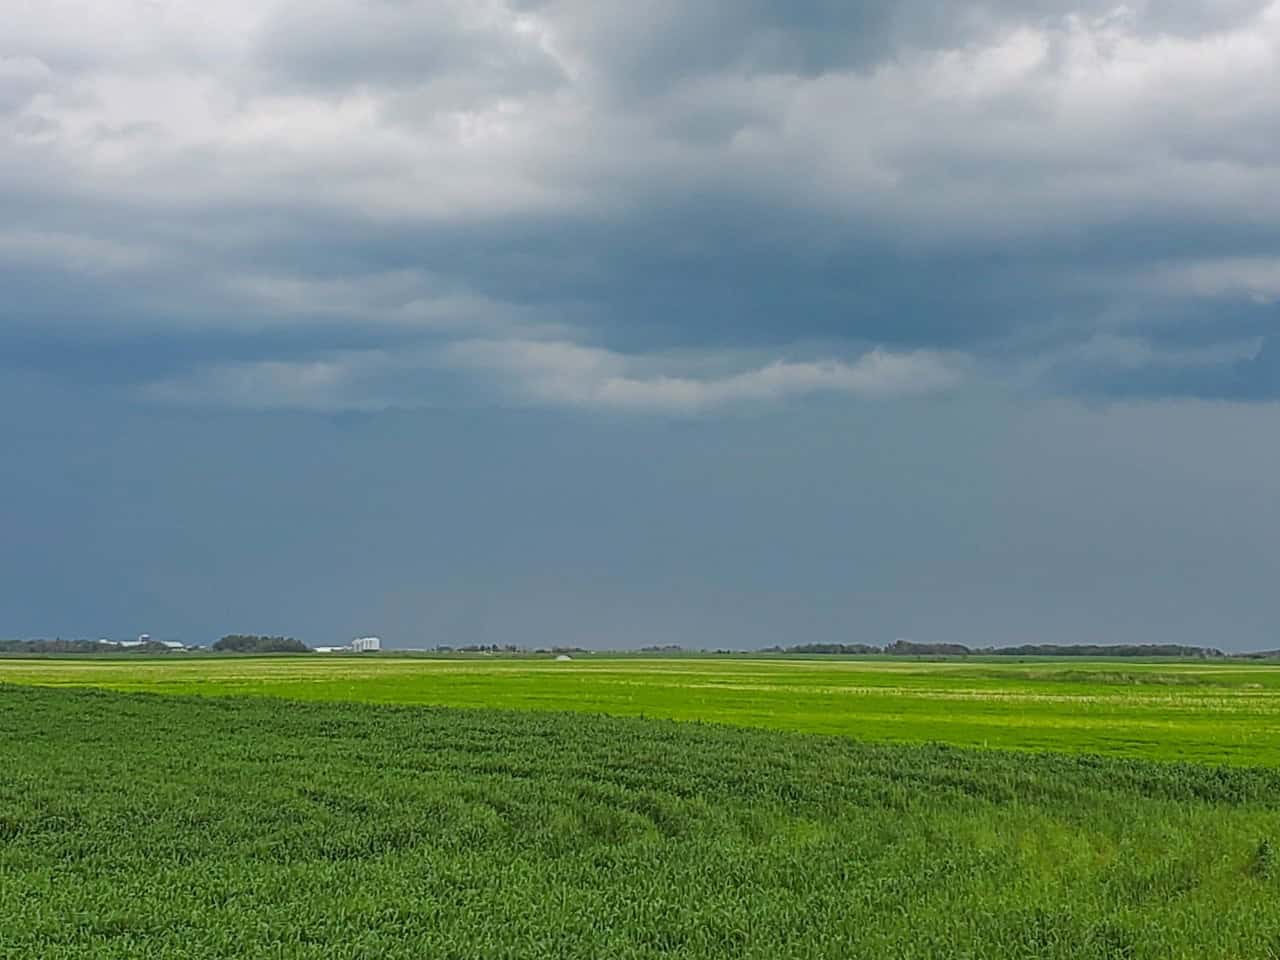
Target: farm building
(358,645)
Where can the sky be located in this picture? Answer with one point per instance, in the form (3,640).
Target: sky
(596,323)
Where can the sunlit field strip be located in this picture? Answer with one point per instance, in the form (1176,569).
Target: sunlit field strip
(1220,713)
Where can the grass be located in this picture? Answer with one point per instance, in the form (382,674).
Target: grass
(1221,713)
(154,826)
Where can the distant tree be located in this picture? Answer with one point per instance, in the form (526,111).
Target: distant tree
(252,643)
(905,648)
(843,649)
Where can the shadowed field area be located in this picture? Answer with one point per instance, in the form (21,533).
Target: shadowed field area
(171,827)
(1205,711)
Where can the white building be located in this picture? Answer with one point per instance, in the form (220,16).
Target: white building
(366,645)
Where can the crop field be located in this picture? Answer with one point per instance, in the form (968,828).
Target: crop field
(1214,712)
(342,807)
(189,827)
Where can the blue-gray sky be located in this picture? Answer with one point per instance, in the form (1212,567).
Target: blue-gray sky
(722,323)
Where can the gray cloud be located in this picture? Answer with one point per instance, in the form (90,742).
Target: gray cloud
(651,47)
(572,375)
(475,51)
(549,373)
(21,79)
(1016,183)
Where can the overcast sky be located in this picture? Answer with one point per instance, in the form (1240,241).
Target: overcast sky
(724,323)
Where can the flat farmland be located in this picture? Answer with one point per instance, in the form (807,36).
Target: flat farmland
(1210,712)
(141,825)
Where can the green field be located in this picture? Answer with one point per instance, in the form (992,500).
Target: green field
(311,807)
(1217,712)
(179,827)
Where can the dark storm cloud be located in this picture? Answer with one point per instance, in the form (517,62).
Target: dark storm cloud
(1248,373)
(1006,181)
(338,46)
(650,47)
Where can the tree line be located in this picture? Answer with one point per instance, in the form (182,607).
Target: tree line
(232,643)
(252,643)
(59,645)
(906,648)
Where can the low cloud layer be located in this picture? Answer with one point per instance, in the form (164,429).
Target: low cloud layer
(548,372)
(528,201)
